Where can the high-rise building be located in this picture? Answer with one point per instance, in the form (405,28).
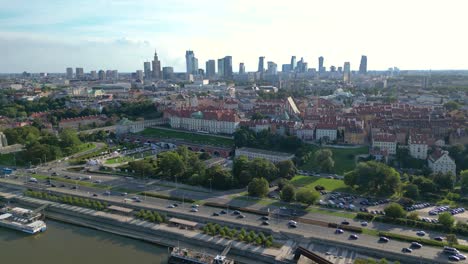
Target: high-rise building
(241,68)
(293,63)
(321,69)
(210,68)
(139,74)
(261,64)
(201,72)
(286,68)
(347,72)
(363,65)
(332,68)
(156,74)
(168,73)
(301,66)
(272,68)
(102,75)
(220,67)
(191,62)
(69,73)
(340,69)
(94,75)
(79,73)
(227,67)
(147,69)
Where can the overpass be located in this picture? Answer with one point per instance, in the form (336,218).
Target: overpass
(310,255)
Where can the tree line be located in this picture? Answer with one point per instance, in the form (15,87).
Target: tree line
(240,235)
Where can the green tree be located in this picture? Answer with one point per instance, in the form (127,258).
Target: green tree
(307,196)
(221,178)
(286,169)
(288,193)
(413,216)
(451,105)
(411,191)
(263,168)
(446,219)
(395,210)
(451,239)
(258,187)
(240,170)
(324,160)
(170,165)
(464,180)
(444,181)
(374,177)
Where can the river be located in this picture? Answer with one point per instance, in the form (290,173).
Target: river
(68,244)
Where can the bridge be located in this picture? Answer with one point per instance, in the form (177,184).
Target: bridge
(310,255)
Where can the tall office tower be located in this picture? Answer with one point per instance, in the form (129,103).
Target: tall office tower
(340,69)
(156,74)
(261,64)
(147,69)
(332,68)
(139,75)
(363,65)
(102,75)
(201,72)
(241,68)
(347,72)
(220,67)
(210,68)
(79,73)
(286,68)
(293,63)
(168,73)
(69,73)
(272,68)
(94,75)
(191,62)
(228,67)
(321,69)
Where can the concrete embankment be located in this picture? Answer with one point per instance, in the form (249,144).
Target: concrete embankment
(154,233)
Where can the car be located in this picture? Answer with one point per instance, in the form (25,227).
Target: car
(235,212)
(33,180)
(55,174)
(171,206)
(345,222)
(97,181)
(124,194)
(215,214)
(265,223)
(195,205)
(223,212)
(135,198)
(194,210)
(416,245)
(364,223)
(74,187)
(266,218)
(292,223)
(451,250)
(241,216)
(421,233)
(439,238)
(53,185)
(383,239)
(460,256)
(62,185)
(95,195)
(107,193)
(339,231)
(175,205)
(406,250)
(453,258)
(353,237)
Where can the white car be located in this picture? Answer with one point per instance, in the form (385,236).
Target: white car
(194,210)
(292,223)
(364,223)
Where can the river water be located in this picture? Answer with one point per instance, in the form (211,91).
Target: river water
(69,244)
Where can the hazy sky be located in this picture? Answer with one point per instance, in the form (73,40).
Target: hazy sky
(50,35)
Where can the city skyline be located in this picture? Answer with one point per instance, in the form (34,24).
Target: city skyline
(126,34)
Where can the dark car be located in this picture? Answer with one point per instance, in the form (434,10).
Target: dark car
(241,216)
(62,185)
(265,223)
(345,222)
(223,212)
(416,245)
(339,231)
(406,250)
(53,185)
(215,214)
(383,239)
(439,238)
(95,195)
(236,212)
(354,237)
(266,218)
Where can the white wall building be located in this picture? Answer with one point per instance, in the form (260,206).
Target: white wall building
(418,146)
(215,122)
(326,131)
(440,161)
(386,142)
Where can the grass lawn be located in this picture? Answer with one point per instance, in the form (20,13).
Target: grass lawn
(70,181)
(7,160)
(188,136)
(119,160)
(344,159)
(343,214)
(310,182)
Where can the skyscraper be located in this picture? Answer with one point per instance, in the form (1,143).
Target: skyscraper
(94,75)
(220,67)
(69,73)
(79,73)
(147,69)
(272,68)
(293,63)
(210,68)
(321,69)
(286,68)
(241,68)
(363,65)
(139,75)
(347,72)
(228,67)
(156,74)
(191,62)
(168,73)
(102,75)
(261,64)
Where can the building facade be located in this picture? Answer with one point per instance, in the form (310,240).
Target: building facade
(272,156)
(209,121)
(440,161)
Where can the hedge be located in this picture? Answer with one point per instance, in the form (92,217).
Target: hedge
(365,216)
(167,197)
(423,241)
(242,209)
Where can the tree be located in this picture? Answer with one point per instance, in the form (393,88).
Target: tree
(451,105)
(288,193)
(240,170)
(323,159)
(286,169)
(413,216)
(395,210)
(464,180)
(170,164)
(69,139)
(411,191)
(263,168)
(444,181)
(446,219)
(307,196)
(424,184)
(221,178)
(258,187)
(451,239)
(374,177)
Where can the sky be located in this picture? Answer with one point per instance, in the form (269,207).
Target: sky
(50,35)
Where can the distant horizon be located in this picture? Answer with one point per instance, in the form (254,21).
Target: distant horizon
(51,35)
